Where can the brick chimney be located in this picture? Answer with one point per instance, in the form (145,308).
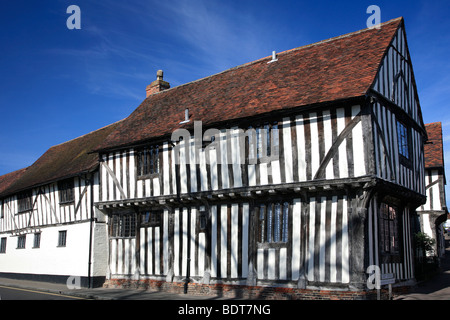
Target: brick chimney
(158,85)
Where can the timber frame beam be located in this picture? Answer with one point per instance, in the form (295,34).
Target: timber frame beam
(298,189)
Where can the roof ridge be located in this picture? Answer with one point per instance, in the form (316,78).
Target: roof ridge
(341,36)
(280,53)
(86,134)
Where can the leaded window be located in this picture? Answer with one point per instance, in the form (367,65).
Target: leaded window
(123,225)
(25,202)
(388,222)
(263,143)
(273,222)
(402,140)
(148,161)
(66,194)
(151,218)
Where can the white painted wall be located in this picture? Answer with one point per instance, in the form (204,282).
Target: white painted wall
(49,259)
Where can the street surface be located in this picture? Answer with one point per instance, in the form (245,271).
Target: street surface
(11,293)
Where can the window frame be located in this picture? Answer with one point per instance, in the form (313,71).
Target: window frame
(66,191)
(3,242)
(25,202)
(123,225)
(62,238)
(265,145)
(21,241)
(151,218)
(404,143)
(389,232)
(145,162)
(273,228)
(37,240)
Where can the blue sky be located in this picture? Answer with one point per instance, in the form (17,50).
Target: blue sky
(58,84)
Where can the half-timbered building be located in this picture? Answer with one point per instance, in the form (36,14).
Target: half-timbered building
(434,212)
(296,171)
(49,227)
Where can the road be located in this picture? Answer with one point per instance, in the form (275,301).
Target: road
(10,293)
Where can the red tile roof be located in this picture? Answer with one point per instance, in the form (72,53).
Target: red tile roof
(59,162)
(9,178)
(434,152)
(336,69)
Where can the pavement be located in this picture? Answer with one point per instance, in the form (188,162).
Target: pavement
(436,288)
(100,293)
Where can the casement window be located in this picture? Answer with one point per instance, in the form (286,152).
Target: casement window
(37,240)
(62,238)
(403,140)
(273,222)
(151,218)
(66,194)
(263,143)
(148,161)
(21,242)
(123,225)
(389,236)
(25,202)
(3,245)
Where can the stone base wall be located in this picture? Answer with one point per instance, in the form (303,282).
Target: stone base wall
(247,292)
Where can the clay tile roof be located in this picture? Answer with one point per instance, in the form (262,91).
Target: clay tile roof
(434,154)
(336,69)
(59,162)
(9,178)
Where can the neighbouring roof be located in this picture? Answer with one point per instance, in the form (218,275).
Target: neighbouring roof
(434,151)
(336,69)
(62,161)
(9,178)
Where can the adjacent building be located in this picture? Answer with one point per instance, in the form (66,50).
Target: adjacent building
(49,227)
(434,213)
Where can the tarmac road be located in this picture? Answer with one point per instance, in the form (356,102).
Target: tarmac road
(437,288)
(13,293)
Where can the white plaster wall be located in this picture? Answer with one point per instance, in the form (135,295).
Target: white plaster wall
(49,259)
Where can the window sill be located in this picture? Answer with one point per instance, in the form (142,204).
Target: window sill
(272,245)
(148,176)
(24,212)
(67,203)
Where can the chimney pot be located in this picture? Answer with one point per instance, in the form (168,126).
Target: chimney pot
(158,85)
